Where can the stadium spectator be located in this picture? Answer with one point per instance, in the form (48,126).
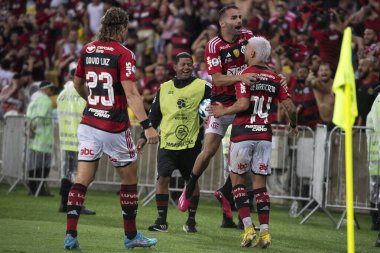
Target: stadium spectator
(200,42)
(328,37)
(179,42)
(29,85)
(12,97)
(322,89)
(303,98)
(6,74)
(145,16)
(160,60)
(165,27)
(176,107)
(371,45)
(70,108)
(40,138)
(251,152)
(92,17)
(366,84)
(105,124)
(150,89)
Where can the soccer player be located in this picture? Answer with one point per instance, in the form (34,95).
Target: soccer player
(251,136)
(175,111)
(224,56)
(107,68)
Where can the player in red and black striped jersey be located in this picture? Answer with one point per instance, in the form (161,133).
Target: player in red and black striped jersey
(251,135)
(105,79)
(224,57)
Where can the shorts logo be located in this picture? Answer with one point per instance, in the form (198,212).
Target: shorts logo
(86,151)
(242,166)
(214,125)
(263,167)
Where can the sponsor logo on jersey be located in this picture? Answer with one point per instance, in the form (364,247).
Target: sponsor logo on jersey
(128,69)
(90,49)
(99,113)
(257,128)
(243,90)
(101,49)
(181,132)
(232,71)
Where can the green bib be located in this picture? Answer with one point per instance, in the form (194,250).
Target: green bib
(70,108)
(180,118)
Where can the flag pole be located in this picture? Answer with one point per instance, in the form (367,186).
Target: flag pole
(349,173)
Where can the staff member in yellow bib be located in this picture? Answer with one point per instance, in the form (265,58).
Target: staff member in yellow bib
(175,111)
(70,108)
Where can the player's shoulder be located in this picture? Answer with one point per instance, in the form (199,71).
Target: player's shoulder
(213,44)
(246,33)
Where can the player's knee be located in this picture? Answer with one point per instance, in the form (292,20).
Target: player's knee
(163,181)
(209,152)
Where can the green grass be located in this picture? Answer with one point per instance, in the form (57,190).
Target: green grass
(29,224)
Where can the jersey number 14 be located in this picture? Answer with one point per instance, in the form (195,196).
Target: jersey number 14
(259,109)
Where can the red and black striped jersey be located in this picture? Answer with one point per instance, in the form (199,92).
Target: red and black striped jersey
(254,123)
(228,59)
(104,65)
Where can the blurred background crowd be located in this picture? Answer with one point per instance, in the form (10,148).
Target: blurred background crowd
(39,39)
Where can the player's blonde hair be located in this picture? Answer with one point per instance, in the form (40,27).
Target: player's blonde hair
(112,23)
(262,48)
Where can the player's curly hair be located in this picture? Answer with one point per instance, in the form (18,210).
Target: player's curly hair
(112,23)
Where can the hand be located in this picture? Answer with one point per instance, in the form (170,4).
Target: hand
(140,145)
(249,78)
(151,135)
(293,132)
(217,110)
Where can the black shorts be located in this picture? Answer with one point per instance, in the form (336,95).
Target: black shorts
(183,160)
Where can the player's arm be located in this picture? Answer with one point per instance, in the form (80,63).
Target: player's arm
(218,110)
(136,104)
(80,86)
(291,110)
(225,80)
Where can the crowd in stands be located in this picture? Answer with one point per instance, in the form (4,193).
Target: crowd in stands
(40,38)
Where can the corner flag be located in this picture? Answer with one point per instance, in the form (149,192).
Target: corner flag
(344,80)
(345,112)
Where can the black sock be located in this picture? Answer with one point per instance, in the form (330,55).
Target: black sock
(162,202)
(193,207)
(226,189)
(190,187)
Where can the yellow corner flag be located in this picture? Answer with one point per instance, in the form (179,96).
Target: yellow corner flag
(345,112)
(344,85)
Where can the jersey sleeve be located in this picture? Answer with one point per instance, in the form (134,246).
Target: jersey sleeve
(282,94)
(242,90)
(212,58)
(127,66)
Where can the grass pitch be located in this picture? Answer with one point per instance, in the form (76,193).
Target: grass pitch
(29,224)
